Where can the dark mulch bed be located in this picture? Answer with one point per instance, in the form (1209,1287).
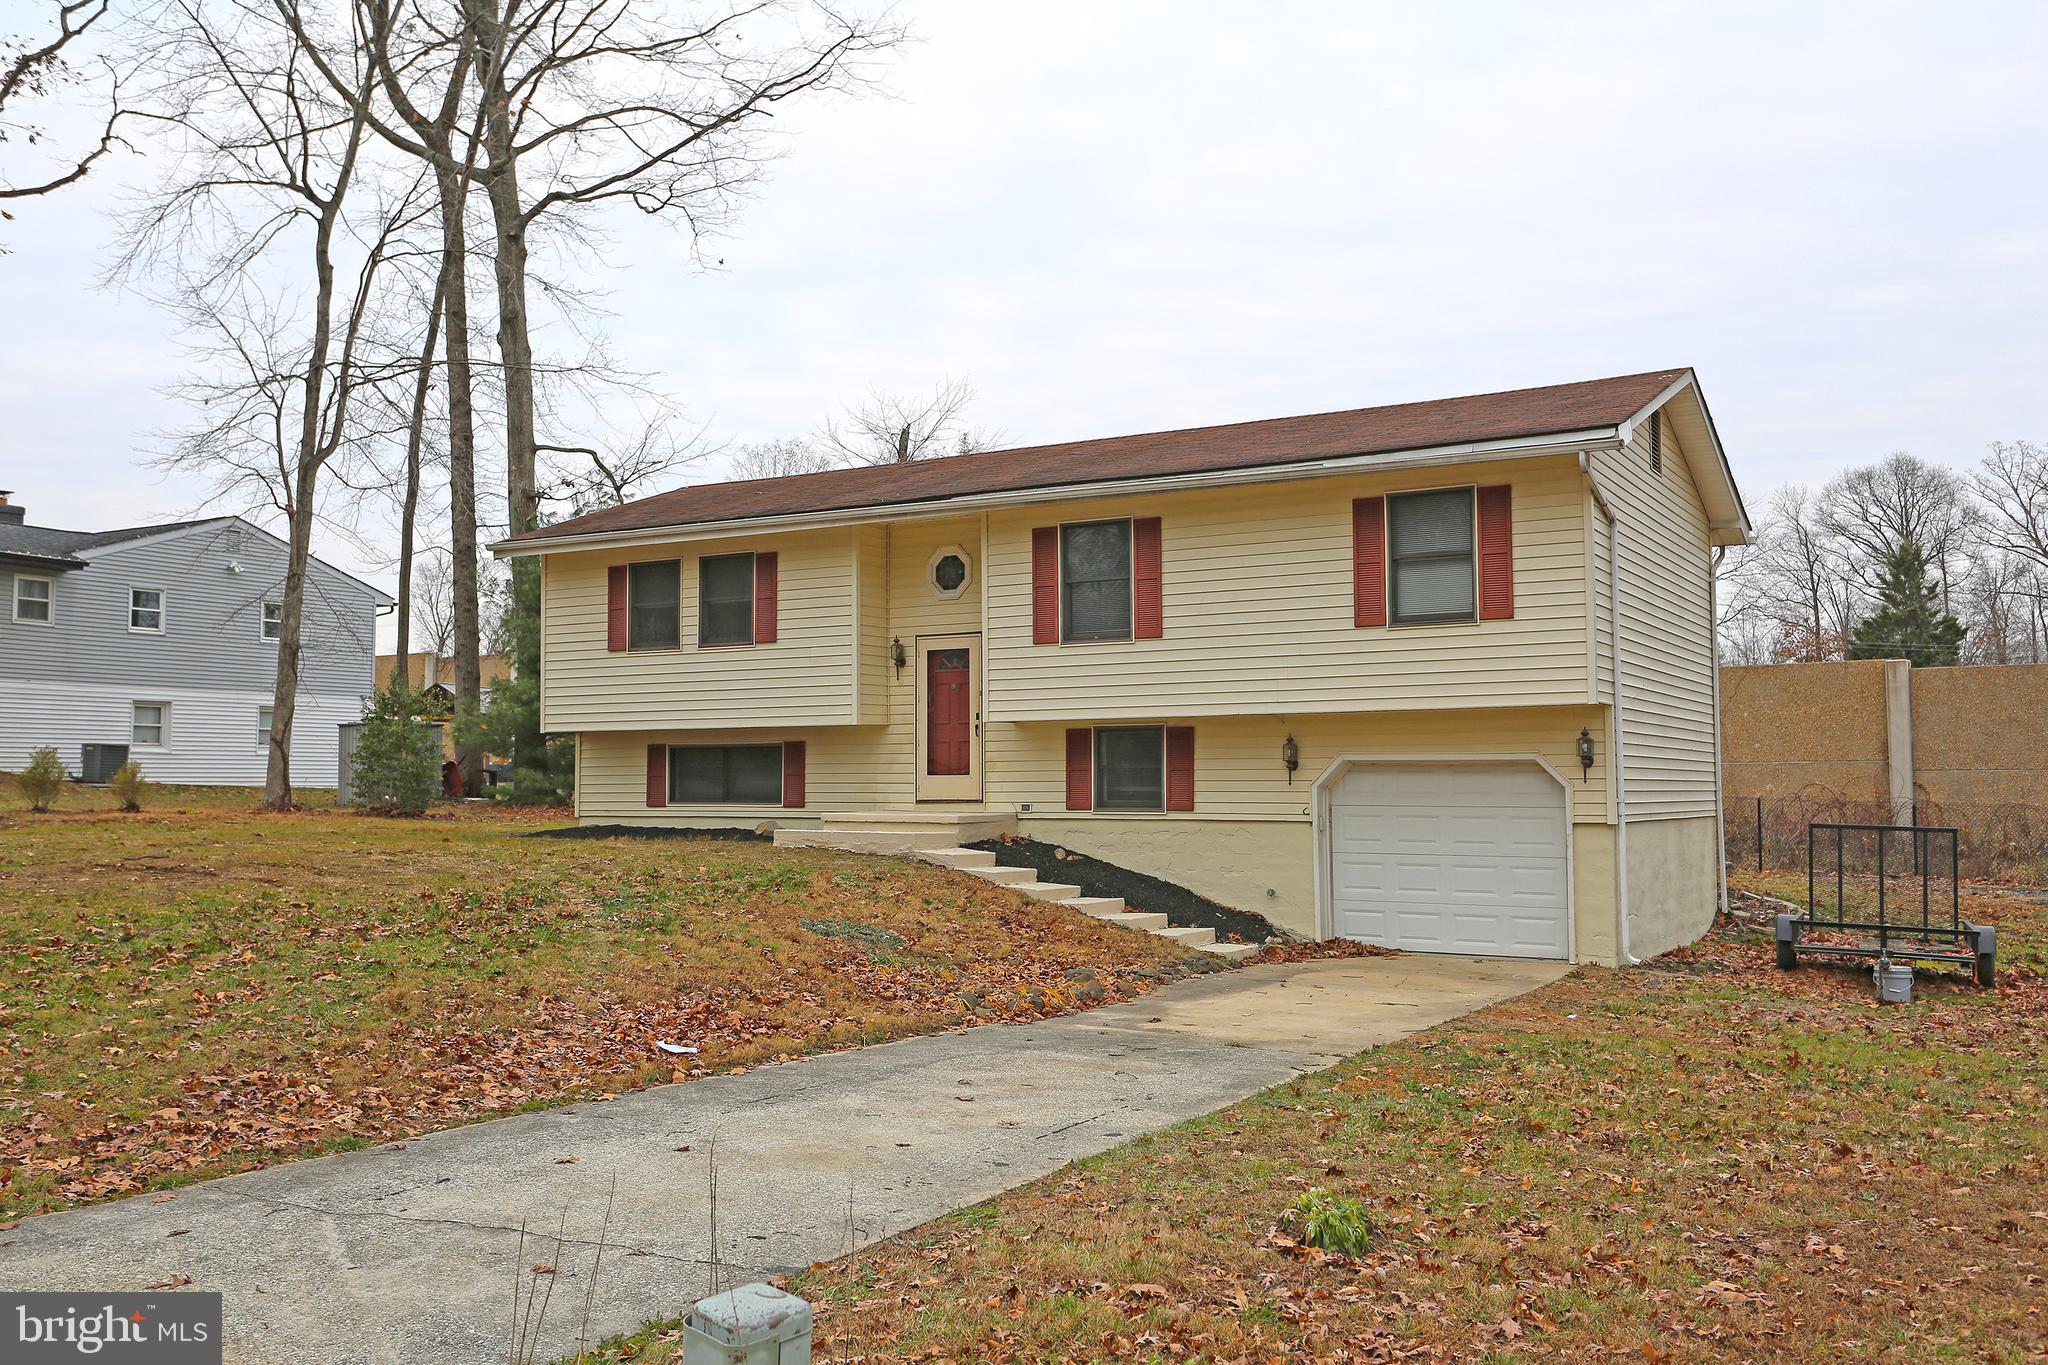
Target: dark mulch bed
(743,836)
(1182,907)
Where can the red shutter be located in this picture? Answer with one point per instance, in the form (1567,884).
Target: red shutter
(615,607)
(767,575)
(1180,767)
(657,774)
(1045,585)
(793,773)
(1147,619)
(1368,561)
(1080,769)
(1496,553)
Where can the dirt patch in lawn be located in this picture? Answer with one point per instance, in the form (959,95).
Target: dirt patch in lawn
(1182,907)
(199,991)
(1702,1159)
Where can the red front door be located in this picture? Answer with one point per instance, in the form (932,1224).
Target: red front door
(949,713)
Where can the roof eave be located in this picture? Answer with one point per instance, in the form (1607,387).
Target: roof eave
(1516,448)
(1727,518)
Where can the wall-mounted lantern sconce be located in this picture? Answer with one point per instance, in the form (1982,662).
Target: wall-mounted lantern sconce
(896,656)
(1290,757)
(1585,754)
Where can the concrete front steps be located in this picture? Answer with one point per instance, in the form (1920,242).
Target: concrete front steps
(981,863)
(936,836)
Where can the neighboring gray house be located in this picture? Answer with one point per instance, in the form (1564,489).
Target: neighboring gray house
(164,638)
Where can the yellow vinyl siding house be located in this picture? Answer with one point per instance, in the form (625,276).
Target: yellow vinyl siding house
(1334,669)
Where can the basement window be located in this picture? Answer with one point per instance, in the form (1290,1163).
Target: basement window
(1130,767)
(725,774)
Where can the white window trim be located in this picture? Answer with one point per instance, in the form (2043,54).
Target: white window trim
(265,730)
(163,728)
(163,610)
(49,601)
(1095,771)
(262,610)
(1130,579)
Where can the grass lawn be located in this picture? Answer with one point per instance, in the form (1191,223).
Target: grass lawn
(1702,1159)
(202,988)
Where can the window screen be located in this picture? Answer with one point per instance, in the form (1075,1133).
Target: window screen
(1095,580)
(725,600)
(1429,548)
(1130,768)
(725,774)
(654,603)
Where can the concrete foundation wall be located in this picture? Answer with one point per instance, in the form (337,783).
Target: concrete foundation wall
(1673,883)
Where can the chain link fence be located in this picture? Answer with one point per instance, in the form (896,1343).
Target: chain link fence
(2007,844)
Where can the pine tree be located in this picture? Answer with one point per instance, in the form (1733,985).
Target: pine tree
(1909,622)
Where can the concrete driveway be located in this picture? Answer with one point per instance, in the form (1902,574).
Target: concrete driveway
(408,1252)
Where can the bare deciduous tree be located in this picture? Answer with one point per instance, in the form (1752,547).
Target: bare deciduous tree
(38,67)
(1874,508)
(778,459)
(261,201)
(890,428)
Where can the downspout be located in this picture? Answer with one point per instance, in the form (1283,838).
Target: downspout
(1714,666)
(1617,761)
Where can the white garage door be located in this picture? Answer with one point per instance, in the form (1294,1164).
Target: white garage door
(1451,858)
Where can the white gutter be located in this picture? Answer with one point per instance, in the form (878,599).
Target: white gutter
(1578,443)
(1617,761)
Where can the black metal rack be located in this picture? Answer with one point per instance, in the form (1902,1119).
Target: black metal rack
(1935,932)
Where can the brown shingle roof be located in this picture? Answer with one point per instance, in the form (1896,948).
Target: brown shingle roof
(1515,415)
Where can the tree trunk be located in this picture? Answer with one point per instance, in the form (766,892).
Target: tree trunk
(408,517)
(515,343)
(461,463)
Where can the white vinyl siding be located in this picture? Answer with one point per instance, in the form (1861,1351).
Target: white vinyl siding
(1257,601)
(1667,637)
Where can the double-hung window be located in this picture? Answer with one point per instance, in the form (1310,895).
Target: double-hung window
(725,774)
(32,599)
(1130,767)
(1095,581)
(1430,557)
(264,716)
(725,600)
(152,723)
(146,610)
(654,604)
(271,627)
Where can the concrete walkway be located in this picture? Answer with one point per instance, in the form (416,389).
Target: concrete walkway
(406,1252)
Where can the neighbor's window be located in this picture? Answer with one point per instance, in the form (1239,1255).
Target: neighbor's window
(145,609)
(1429,555)
(654,604)
(725,774)
(151,718)
(272,626)
(1130,767)
(264,714)
(1095,581)
(32,600)
(725,600)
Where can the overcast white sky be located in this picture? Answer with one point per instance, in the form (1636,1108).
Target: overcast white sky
(1116,217)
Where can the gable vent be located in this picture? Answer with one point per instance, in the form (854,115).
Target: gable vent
(1656,443)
